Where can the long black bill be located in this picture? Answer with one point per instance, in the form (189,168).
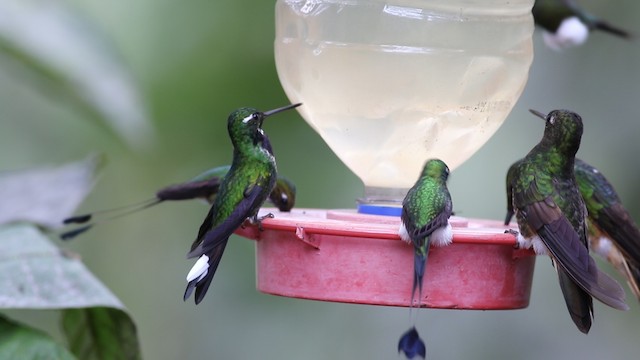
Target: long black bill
(284,108)
(538,114)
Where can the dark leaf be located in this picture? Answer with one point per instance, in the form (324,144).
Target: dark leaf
(21,342)
(101,333)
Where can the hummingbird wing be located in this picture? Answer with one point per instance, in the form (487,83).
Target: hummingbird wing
(424,210)
(210,238)
(212,241)
(606,211)
(437,222)
(190,190)
(511,173)
(605,247)
(570,253)
(633,278)
(617,224)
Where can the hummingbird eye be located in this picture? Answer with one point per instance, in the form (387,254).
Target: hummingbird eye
(253,116)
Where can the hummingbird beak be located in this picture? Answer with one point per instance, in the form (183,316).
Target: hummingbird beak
(538,114)
(275,111)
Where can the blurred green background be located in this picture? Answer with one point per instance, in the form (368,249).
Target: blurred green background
(195,61)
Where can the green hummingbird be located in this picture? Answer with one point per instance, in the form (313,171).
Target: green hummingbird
(551,216)
(283,195)
(204,186)
(611,230)
(424,221)
(242,192)
(566,24)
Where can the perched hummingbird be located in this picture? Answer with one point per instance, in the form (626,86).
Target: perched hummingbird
(551,215)
(611,230)
(242,192)
(425,220)
(204,186)
(283,195)
(566,24)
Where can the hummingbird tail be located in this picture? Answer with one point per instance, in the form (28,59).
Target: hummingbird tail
(579,303)
(119,212)
(68,235)
(79,219)
(633,278)
(606,27)
(201,283)
(419,266)
(412,345)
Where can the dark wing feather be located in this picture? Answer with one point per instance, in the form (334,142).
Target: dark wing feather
(616,222)
(215,240)
(212,238)
(190,190)
(568,251)
(438,221)
(633,278)
(510,177)
(578,301)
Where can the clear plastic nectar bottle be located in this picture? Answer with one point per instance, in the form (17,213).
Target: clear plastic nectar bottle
(389,84)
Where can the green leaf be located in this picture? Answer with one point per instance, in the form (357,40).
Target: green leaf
(35,274)
(65,55)
(46,195)
(101,333)
(21,342)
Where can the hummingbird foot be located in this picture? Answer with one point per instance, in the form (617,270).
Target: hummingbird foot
(527,243)
(255,220)
(521,243)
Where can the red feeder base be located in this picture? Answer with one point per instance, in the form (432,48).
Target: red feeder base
(339,255)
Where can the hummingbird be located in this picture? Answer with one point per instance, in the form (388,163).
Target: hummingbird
(424,221)
(204,186)
(242,192)
(612,232)
(551,215)
(566,24)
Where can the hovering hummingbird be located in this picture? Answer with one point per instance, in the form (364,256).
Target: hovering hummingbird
(611,230)
(425,220)
(551,215)
(204,186)
(242,192)
(566,24)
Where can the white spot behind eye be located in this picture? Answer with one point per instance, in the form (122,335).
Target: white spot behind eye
(552,120)
(247,119)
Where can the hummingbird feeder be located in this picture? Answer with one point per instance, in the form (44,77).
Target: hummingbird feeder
(389,84)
